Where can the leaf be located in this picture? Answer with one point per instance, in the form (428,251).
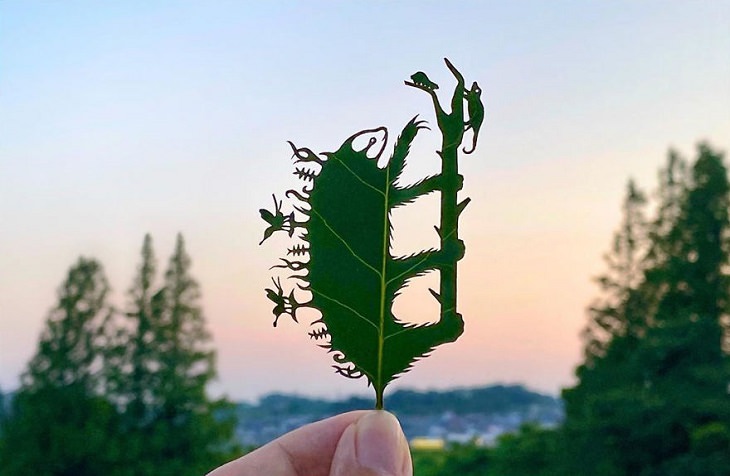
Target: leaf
(351,275)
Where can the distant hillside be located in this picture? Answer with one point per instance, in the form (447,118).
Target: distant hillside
(468,412)
(492,399)
(489,399)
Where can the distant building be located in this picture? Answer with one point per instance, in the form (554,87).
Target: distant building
(422,443)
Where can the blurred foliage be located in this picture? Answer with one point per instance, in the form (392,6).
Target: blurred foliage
(531,451)
(653,394)
(428,462)
(120,393)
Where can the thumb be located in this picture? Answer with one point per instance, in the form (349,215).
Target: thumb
(374,445)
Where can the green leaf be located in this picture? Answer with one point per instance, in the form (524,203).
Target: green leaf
(345,220)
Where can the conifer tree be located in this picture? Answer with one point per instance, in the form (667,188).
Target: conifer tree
(121,395)
(654,399)
(133,370)
(70,348)
(683,358)
(174,427)
(191,420)
(59,424)
(616,322)
(141,344)
(616,314)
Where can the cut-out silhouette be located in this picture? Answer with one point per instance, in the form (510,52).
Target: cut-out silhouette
(343,215)
(475,108)
(421,79)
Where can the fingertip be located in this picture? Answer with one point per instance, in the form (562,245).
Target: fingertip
(373,445)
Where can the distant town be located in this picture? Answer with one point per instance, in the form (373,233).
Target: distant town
(430,419)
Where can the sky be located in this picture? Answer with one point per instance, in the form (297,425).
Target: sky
(124,118)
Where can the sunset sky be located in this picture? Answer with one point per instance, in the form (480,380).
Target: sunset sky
(123,118)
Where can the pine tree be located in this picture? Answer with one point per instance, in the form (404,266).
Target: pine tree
(132,372)
(120,395)
(654,398)
(609,375)
(59,424)
(617,315)
(683,357)
(142,341)
(70,349)
(172,426)
(190,421)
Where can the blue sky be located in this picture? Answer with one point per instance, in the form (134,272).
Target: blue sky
(118,119)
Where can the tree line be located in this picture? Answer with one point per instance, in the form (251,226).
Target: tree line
(120,391)
(123,392)
(653,393)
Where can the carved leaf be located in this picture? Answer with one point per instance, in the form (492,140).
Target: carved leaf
(343,218)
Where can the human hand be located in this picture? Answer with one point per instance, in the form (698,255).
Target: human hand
(360,443)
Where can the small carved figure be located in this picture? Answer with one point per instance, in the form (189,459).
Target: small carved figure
(476,113)
(421,79)
(277,220)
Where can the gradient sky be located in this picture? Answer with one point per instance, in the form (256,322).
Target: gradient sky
(122,118)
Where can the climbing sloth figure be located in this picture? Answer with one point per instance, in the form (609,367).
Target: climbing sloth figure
(475,108)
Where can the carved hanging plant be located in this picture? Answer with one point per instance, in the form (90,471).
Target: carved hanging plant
(343,262)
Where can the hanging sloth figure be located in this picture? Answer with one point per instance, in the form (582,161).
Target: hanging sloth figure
(342,260)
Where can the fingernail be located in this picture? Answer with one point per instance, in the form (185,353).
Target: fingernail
(380,444)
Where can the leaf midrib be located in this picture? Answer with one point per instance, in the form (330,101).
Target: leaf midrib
(383,283)
(344,242)
(381,274)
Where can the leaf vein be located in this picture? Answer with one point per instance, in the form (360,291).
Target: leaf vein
(415,265)
(354,311)
(368,265)
(357,176)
